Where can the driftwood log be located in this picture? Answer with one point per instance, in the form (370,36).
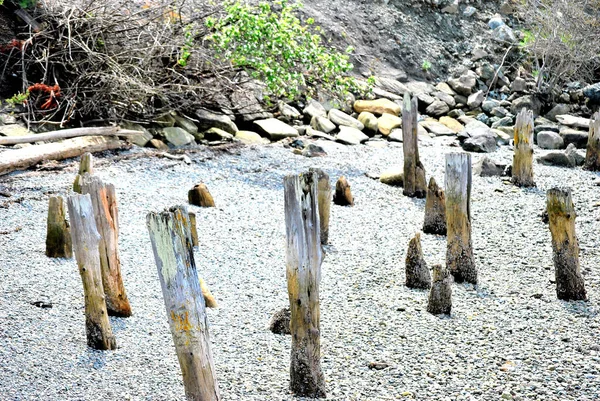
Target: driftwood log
(435,210)
(459,253)
(200,196)
(68,133)
(522,168)
(561,215)
(440,295)
(592,155)
(86,165)
(417,273)
(415,184)
(58,233)
(324,203)
(186,311)
(85,243)
(343,194)
(303,271)
(21,159)
(104,201)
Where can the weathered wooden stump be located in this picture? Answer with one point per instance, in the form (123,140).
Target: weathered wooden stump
(304,257)
(104,201)
(522,168)
(209,299)
(343,194)
(415,184)
(85,243)
(592,155)
(86,165)
(324,203)
(561,214)
(459,252)
(194,229)
(417,273)
(280,321)
(435,210)
(440,295)
(184,302)
(58,231)
(200,196)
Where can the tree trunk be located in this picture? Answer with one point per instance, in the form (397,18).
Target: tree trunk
(592,155)
(343,194)
(194,230)
(324,203)
(522,169)
(440,295)
(435,210)
(85,243)
(86,165)
(186,311)
(459,252)
(104,202)
(415,184)
(199,196)
(58,235)
(304,257)
(417,273)
(561,214)
(21,159)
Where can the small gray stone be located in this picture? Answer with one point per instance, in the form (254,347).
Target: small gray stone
(475,99)
(177,136)
(437,108)
(208,119)
(485,143)
(350,136)
(340,118)
(550,140)
(322,124)
(276,129)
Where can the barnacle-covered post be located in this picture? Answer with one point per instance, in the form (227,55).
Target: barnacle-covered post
(303,271)
(435,210)
(186,311)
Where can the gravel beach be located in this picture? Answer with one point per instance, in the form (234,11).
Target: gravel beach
(507,338)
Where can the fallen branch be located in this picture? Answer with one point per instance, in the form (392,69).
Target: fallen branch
(185,158)
(21,159)
(68,133)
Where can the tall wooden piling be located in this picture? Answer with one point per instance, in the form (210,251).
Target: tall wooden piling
(104,201)
(304,257)
(417,273)
(200,196)
(440,295)
(324,203)
(565,247)
(459,252)
(415,184)
(592,155)
(186,311)
(85,244)
(58,231)
(522,168)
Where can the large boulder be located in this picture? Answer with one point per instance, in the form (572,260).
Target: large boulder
(452,124)
(340,118)
(275,129)
(436,128)
(569,158)
(393,176)
(484,167)
(314,109)
(528,102)
(437,108)
(572,136)
(387,122)
(322,124)
(369,121)
(208,119)
(484,143)
(177,136)
(592,92)
(216,134)
(559,109)
(391,85)
(464,84)
(378,106)
(573,121)
(249,137)
(350,136)
(475,99)
(446,98)
(550,140)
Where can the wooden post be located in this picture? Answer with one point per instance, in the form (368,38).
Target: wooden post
(561,214)
(459,253)
(304,257)
(435,210)
(58,234)
(280,321)
(86,165)
(417,273)
(343,194)
(104,201)
(85,243)
(171,242)
(324,203)
(440,295)
(592,155)
(522,168)
(194,229)
(200,196)
(415,184)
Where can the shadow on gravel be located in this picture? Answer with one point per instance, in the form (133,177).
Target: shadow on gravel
(579,309)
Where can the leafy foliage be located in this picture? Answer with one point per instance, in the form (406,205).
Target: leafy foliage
(18,98)
(426,66)
(273,45)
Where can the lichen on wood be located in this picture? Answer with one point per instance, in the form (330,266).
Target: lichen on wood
(522,168)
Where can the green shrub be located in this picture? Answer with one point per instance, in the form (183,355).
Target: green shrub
(273,45)
(426,66)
